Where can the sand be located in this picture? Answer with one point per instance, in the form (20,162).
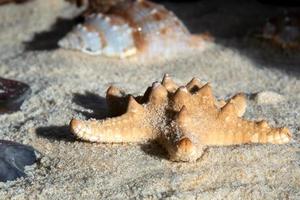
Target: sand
(68,84)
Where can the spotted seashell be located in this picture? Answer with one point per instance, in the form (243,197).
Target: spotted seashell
(283,30)
(130,28)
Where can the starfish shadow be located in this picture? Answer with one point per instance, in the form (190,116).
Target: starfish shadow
(89,101)
(92,102)
(56,133)
(154,149)
(48,40)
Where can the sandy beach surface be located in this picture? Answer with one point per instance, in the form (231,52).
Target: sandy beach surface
(67,84)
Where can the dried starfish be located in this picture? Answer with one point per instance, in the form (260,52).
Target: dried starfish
(185,120)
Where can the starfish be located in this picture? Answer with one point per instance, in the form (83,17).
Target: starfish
(185,120)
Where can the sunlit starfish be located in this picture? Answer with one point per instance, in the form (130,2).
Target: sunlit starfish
(185,120)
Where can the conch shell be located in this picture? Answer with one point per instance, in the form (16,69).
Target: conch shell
(133,28)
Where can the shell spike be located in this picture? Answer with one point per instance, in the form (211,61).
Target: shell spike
(194,85)
(168,83)
(181,97)
(240,103)
(181,94)
(205,95)
(182,115)
(133,105)
(228,110)
(263,124)
(206,90)
(114,91)
(158,94)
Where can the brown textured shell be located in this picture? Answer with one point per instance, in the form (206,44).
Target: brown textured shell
(183,119)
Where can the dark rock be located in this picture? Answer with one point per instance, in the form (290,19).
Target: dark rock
(12,94)
(13,158)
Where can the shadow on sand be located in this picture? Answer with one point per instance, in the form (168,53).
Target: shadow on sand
(60,133)
(48,40)
(237,26)
(88,100)
(95,103)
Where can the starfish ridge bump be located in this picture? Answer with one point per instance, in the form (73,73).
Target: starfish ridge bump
(185,120)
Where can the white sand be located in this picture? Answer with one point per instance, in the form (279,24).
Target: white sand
(66,84)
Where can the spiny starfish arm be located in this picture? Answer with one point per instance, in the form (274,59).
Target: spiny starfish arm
(180,144)
(266,134)
(129,127)
(186,149)
(229,129)
(248,132)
